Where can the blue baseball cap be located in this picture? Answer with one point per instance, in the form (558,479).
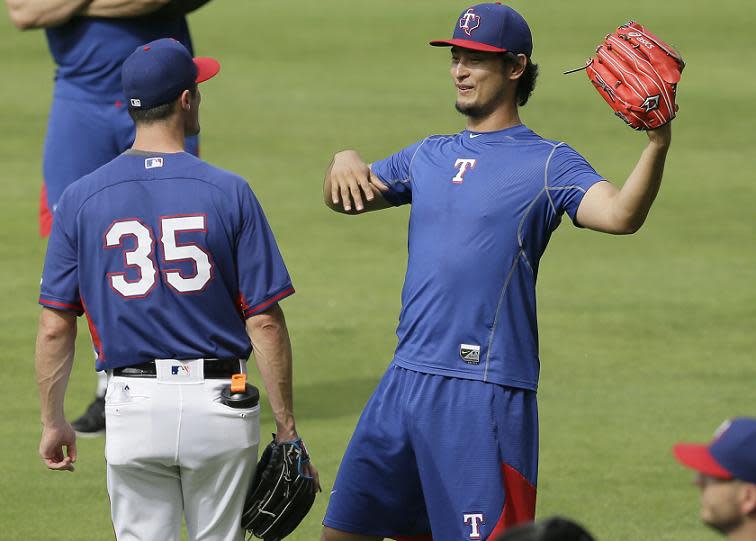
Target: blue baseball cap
(730,455)
(158,72)
(492,28)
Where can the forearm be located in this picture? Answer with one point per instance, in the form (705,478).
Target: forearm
(28,14)
(272,350)
(122,8)
(633,201)
(56,337)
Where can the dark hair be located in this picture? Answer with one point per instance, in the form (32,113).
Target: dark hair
(527,81)
(553,529)
(157,113)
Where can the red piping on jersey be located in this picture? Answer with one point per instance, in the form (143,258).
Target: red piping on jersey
(263,305)
(45,216)
(519,502)
(78,308)
(95,335)
(242,303)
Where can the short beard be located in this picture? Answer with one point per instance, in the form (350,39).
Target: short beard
(725,527)
(479,111)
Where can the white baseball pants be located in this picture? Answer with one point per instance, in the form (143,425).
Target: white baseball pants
(172,450)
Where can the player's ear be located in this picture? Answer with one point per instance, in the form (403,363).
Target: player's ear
(516,65)
(185,100)
(748,499)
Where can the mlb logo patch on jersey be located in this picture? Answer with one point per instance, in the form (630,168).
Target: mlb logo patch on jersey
(152,163)
(470,353)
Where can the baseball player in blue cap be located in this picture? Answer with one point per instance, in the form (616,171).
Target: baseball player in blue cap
(89,124)
(726,475)
(448,443)
(179,275)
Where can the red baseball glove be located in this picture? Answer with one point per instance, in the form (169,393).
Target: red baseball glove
(637,74)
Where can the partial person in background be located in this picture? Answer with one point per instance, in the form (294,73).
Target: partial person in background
(89,124)
(726,475)
(551,529)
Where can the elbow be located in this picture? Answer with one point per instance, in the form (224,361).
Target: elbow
(628,227)
(21,19)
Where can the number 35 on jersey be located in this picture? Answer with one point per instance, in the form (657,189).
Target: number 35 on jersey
(141,257)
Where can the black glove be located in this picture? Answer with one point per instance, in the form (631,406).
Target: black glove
(280,495)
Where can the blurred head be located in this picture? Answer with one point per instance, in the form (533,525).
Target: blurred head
(160,83)
(552,529)
(491,64)
(726,475)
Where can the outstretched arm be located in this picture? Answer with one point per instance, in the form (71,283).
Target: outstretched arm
(622,211)
(56,337)
(350,187)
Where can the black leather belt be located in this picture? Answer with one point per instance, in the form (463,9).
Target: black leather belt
(213,369)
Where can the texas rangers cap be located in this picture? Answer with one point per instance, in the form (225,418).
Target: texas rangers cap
(730,455)
(492,28)
(158,72)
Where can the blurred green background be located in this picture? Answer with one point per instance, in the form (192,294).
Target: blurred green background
(645,340)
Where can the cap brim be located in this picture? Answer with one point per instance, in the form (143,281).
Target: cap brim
(467,44)
(207,68)
(699,458)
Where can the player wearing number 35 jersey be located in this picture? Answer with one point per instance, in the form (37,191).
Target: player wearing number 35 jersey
(177,270)
(169,241)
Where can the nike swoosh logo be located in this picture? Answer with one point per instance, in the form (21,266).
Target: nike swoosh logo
(474,135)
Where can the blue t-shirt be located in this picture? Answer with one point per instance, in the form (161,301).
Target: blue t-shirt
(89,52)
(484,206)
(167,255)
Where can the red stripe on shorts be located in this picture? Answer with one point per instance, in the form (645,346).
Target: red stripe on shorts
(519,502)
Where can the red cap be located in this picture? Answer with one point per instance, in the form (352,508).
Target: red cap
(699,458)
(207,68)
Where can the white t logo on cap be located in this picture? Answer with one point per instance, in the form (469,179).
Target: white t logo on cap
(466,18)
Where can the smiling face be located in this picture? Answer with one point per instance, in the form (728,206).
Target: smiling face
(485,81)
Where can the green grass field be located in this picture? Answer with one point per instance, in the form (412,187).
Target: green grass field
(645,340)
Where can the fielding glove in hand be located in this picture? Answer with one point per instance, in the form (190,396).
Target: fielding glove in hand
(280,495)
(637,74)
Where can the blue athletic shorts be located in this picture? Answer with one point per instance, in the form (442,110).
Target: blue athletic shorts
(437,455)
(82,136)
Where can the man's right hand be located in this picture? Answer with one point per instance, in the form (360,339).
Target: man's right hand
(350,186)
(54,439)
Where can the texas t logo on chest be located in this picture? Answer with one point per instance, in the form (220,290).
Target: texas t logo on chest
(474,520)
(463,165)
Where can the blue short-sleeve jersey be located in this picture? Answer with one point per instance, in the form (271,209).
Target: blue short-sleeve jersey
(167,255)
(484,206)
(89,52)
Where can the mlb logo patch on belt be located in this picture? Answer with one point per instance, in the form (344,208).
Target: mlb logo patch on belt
(178,371)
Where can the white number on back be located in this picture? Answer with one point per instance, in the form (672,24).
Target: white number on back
(172,251)
(141,257)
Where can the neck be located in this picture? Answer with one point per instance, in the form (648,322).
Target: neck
(746,531)
(166,137)
(501,118)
